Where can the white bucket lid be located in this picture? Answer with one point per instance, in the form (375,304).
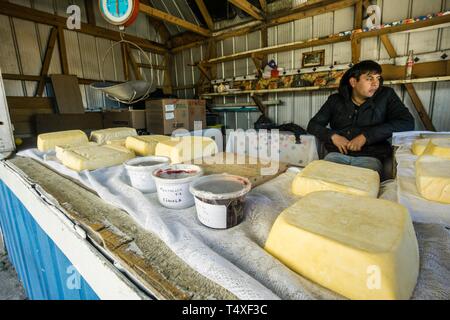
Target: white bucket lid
(191,170)
(217,184)
(133,163)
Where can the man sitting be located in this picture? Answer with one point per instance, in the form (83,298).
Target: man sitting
(362,116)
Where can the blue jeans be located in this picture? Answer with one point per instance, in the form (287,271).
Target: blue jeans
(363,162)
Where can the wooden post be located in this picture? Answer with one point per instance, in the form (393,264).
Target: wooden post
(63,51)
(419,107)
(126,72)
(358,14)
(167,85)
(46,63)
(137,73)
(410,88)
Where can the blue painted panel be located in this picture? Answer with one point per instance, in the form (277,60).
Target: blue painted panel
(43,269)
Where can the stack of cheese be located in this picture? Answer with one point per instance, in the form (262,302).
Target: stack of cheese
(340,236)
(183,149)
(322,175)
(433,168)
(75,151)
(357,246)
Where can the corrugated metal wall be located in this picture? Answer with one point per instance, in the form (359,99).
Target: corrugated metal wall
(23,45)
(43,269)
(301,106)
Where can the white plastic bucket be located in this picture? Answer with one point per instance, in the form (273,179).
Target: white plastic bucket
(172,185)
(140,171)
(219,199)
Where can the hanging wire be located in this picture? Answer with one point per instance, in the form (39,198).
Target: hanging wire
(122,40)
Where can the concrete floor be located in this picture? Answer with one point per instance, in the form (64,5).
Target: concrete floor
(10,286)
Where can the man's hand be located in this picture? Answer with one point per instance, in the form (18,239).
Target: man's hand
(340,142)
(357,143)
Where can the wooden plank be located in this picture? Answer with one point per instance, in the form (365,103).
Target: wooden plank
(388,45)
(356,49)
(281,48)
(126,71)
(306,11)
(358,15)
(47,60)
(167,85)
(137,73)
(205,13)
(419,107)
(151,66)
(250,168)
(34,15)
(263,4)
(29,103)
(155,13)
(405,27)
(67,93)
(63,51)
(247,7)
(90,6)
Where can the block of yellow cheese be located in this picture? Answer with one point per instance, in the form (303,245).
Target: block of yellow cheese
(321,175)
(60,149)
(433,178)
(439,147)
(145,145)
(116,142)
(48,141)
(182,149)
(95,157)
(104,135)
(359,247)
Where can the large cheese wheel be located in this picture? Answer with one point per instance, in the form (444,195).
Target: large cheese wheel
(433,178)
(104,135)
(183,149)
(439,147)
(359,247)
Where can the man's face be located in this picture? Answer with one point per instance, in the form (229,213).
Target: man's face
(367,85)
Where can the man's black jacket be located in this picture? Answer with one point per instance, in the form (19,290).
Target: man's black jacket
(376,119)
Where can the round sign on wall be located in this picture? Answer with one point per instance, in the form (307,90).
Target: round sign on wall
(119,12)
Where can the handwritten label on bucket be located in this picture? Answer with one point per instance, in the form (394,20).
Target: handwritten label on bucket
(213,216)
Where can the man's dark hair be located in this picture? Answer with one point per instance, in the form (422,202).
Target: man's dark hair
(363,67)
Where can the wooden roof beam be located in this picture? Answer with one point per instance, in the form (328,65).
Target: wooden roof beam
(205,14)
(247,7)
(263,4)
(22,12)
(307,10)
(160,15)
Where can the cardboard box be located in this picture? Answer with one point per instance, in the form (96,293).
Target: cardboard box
(166,115)
(59,122)
(124,118)
(197,112)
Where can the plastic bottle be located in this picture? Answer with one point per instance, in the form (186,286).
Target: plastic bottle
(409,65)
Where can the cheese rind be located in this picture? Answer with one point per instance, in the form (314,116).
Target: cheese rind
(359,247)
(48,141)
(183,149)
(322,175)
(145,145)
(104,135)
(433,178)
(438,147)
(95,157)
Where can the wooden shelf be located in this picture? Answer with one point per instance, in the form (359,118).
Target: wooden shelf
(333,39)
(315,88)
